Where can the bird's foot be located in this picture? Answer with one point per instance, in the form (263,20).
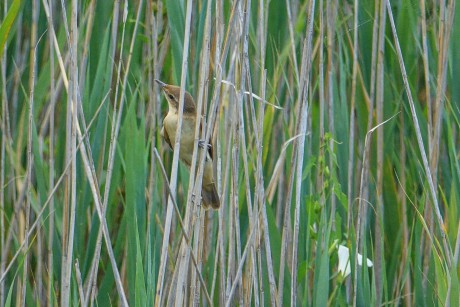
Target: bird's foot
(202,143)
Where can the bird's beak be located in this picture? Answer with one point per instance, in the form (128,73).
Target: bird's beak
(161,83)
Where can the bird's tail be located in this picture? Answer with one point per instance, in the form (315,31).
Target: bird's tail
(209,196)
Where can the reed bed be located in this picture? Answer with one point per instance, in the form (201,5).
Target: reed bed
(335,131)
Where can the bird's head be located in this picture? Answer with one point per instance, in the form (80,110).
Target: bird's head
(172,94)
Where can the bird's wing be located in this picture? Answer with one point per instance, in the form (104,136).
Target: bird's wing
(165,135)
(210,150)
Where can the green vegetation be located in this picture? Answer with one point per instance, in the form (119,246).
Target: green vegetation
(329,133)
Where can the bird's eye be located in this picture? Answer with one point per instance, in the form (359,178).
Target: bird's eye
(171,96)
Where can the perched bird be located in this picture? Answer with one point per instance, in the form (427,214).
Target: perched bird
(209,194)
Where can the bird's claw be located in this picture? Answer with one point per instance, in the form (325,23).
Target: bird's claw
(201,144)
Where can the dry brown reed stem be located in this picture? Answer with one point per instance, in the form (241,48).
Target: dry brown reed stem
(378,244)
(84,55)
(251,271)
(222,222)
(2,164)
(72,117)
(226,186)
(175,162)
(200,215)
(322,103)
(372,90)
(238,136)
(268,250)
(364,179)
(52,102)
(302,128)
(90,283)
(321,94)
(426,70)
(79,283)
(263,29)
(231,233)
(445,28)
(240,266)
(351,139)
(38,293)
(155,25)
(24,225)
(428,215)
(331,9)
(258,127)
(405,240)
(241,52)
(193,206)
(262,204)
(86,148)
(286,226)
(222,184)
(198,248)
(67,233)
(181,223)
(292,41)
(73,101)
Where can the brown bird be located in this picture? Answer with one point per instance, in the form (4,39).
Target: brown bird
(209,194)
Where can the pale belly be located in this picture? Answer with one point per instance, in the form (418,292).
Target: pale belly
(187,135)
(186,142)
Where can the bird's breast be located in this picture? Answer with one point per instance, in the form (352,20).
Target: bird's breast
(187,134)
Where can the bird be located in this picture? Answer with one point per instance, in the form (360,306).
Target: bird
(210,197)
